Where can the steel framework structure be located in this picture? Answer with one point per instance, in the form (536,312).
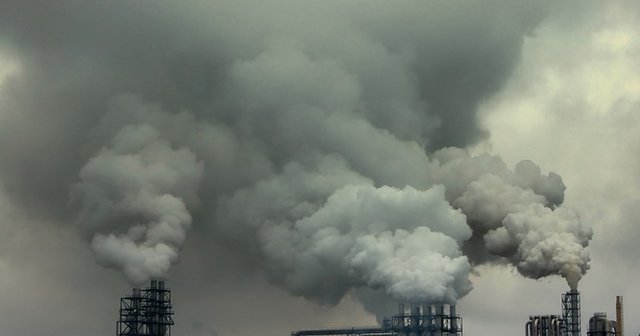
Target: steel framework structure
(146,312)
(571,311)
(415,323)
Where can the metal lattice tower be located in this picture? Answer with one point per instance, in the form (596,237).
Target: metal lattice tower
(146,312)
(571,311)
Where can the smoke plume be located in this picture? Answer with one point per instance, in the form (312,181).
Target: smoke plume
(325,147)
(133,197)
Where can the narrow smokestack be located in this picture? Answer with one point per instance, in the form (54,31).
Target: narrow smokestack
(453,319)
(415,309)
(427,309)
(415,317)
(619,316)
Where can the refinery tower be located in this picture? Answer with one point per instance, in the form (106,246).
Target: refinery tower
(146,312)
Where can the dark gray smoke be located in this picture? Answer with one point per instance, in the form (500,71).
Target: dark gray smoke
(315,141)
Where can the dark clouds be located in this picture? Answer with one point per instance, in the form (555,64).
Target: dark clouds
(263,126)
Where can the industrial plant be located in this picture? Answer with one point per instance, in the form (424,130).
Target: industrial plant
(148,312)
(568,324)
(419,320)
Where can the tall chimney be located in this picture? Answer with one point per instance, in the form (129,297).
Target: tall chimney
(571,311)
(619,316)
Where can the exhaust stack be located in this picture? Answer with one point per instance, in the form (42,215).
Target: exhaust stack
(146,312)
(571,311)
(619,316)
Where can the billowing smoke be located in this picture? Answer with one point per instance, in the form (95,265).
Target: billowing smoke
(404,242)
(325,147)
(133,197)
(516,215)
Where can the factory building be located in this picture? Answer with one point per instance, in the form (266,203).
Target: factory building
(569,323)
(148,312)
(599,325)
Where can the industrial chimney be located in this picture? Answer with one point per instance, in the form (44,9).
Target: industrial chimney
(146,312)
(619,317)
(571,311)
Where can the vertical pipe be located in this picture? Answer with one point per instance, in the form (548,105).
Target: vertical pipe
(619,316)
(401,309)
(453,318)
(415,318)
(527,329)
(428,319)
(415,309)
(439,319)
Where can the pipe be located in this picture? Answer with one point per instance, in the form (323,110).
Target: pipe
(453,319)
(415,309)
(527,329)
(415,318)
(439,319)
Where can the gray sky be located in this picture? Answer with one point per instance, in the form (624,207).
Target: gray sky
(269,157)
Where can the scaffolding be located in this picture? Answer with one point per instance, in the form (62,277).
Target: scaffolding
(428,321)
(571,311)
(146,312)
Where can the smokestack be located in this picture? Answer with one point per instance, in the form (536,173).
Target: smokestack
(427,309)
(571,311)
(415,319)
(415,309)
(619,316)
(147,311)
(453,319)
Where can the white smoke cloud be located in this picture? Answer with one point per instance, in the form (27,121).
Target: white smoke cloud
(404,242)
(545,242)
(132,199)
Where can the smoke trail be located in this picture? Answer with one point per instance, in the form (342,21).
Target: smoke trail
(516,215)
(543,242)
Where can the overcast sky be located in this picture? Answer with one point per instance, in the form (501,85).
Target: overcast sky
(252,153)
